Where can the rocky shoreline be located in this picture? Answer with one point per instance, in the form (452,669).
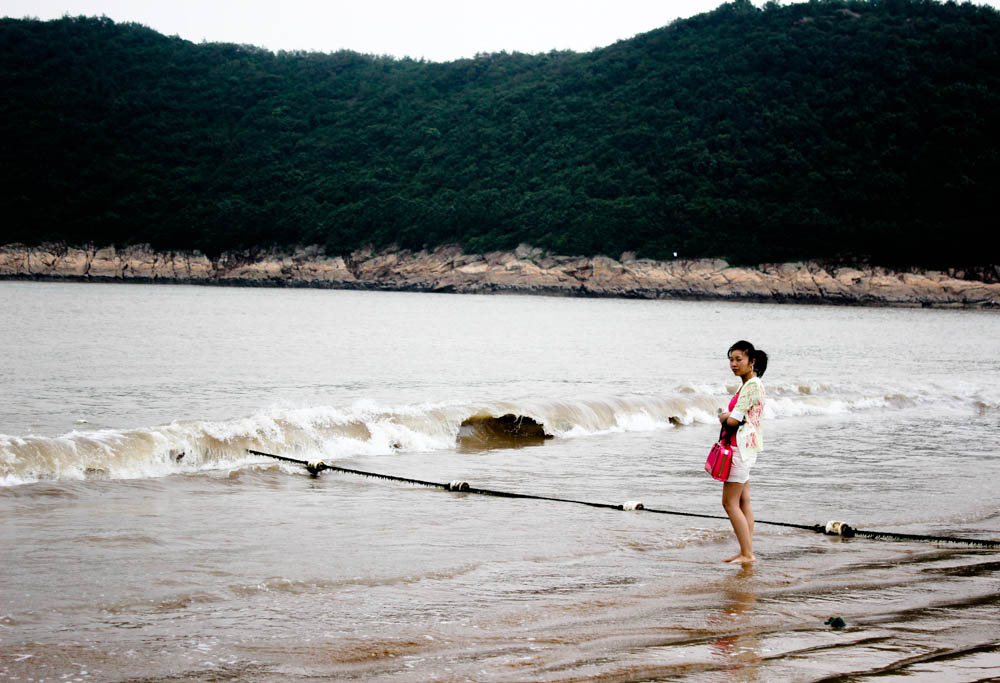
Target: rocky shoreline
(523,271)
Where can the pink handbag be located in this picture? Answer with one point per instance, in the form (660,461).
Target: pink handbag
(720,458)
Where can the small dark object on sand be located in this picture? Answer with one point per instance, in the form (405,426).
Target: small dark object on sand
(835,623)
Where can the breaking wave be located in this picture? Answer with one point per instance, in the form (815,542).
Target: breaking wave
(366,428)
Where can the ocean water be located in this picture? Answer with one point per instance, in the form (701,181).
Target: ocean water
(140,540)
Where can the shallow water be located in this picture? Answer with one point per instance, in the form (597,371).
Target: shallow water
(123,563)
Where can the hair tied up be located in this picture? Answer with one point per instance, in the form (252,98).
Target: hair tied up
(756,356)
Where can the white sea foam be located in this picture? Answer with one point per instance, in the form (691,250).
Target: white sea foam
(369,428)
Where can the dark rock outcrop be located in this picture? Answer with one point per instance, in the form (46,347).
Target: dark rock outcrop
(481,432)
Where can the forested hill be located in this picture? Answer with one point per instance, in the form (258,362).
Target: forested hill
(865,131)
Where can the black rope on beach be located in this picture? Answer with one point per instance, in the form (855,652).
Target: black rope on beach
(831,528)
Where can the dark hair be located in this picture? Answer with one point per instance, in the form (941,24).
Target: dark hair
(758,357)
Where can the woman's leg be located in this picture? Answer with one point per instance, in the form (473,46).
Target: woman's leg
(747,508)
(732,502)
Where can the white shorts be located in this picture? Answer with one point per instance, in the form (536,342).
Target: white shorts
(739,472)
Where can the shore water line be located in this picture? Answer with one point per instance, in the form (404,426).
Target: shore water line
(525,270)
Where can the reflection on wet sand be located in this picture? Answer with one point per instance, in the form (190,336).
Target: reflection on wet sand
(742,648)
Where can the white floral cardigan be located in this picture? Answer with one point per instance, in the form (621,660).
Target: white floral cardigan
(749,410)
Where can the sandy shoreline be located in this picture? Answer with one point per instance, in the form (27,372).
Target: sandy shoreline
(523,271)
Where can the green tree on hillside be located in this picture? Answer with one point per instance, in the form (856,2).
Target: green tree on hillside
(832,129)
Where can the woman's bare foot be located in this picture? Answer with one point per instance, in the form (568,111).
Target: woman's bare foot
(742,559)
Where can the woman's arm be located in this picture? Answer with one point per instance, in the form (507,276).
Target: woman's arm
(749,395)
(728,424)
(728,421)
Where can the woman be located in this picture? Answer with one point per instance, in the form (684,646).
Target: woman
(744,425)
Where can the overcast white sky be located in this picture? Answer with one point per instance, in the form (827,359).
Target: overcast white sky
(438,30)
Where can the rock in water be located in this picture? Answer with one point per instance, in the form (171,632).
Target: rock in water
(481,432)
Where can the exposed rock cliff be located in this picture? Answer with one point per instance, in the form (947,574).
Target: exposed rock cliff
(523,271)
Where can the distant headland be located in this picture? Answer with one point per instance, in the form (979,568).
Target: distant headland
(525,270)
